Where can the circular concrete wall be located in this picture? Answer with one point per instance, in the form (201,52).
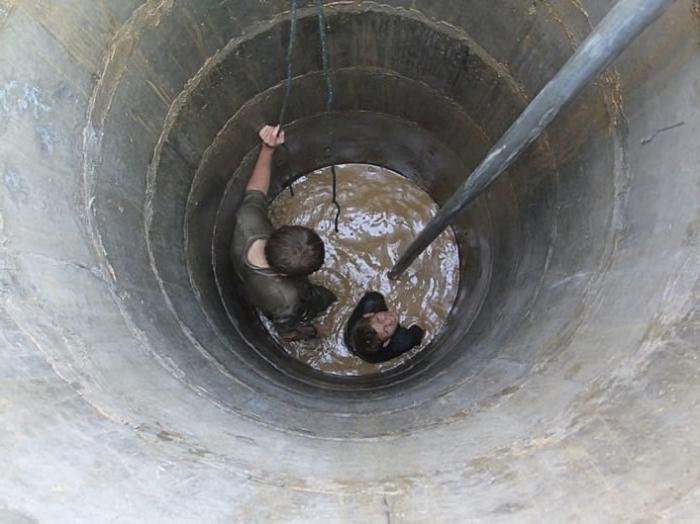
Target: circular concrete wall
(138,385)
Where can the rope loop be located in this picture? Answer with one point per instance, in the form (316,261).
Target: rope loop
(330,94)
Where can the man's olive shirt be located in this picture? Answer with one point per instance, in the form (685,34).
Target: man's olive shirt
(281,298)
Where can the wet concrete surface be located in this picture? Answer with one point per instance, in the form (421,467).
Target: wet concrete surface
(381,213)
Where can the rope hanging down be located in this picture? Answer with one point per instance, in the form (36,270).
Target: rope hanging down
(290,51)
(329,97)
(288,88)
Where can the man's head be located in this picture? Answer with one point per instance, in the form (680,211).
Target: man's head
(295,251)
(374,331)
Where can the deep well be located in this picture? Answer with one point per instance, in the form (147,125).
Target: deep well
(137,385)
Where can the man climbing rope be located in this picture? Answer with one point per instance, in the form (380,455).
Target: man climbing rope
(274,264)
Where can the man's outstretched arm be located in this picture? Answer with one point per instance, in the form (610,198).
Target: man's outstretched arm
(260,180)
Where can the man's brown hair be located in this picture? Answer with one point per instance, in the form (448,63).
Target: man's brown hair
(295,251)
(363,337)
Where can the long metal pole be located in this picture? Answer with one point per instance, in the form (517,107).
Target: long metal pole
(621,25)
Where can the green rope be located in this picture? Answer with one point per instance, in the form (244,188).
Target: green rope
(329,96)
(290,51)
(288,88)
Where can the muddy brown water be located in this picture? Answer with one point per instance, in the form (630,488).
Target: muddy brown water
(382,212)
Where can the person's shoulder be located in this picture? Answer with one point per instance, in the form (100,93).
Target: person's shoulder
(417,333)
(405,339)
(254,197)
(251,217)
(255,193)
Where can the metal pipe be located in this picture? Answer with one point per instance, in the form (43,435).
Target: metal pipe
(626,20)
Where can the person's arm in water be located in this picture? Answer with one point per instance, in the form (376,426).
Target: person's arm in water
(260,179)
(299,325)
(299,333)
(290,331)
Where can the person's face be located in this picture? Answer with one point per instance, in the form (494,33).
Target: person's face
(385,324)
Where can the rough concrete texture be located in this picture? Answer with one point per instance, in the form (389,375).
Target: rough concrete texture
(136,386)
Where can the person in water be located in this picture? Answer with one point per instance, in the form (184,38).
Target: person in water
(373,332)
(274,264)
